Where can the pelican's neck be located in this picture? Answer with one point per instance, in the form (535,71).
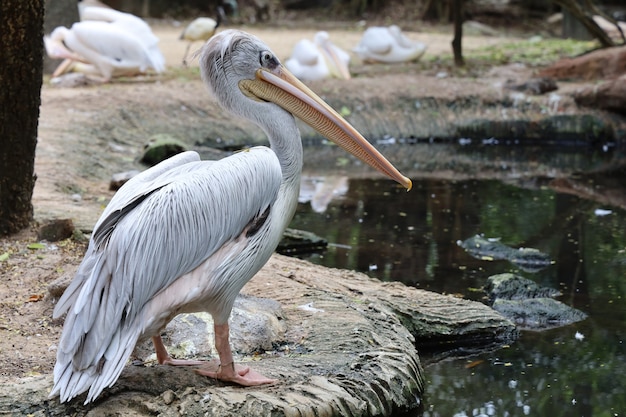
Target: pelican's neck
(285,141)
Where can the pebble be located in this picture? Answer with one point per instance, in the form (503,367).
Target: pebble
(169,397)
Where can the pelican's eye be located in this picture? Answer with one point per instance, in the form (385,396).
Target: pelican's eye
(268,60)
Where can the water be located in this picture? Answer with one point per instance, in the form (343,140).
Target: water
(579,370)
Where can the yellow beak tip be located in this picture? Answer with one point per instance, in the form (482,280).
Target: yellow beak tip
(408,184)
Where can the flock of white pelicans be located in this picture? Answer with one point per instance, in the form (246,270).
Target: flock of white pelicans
(107,43)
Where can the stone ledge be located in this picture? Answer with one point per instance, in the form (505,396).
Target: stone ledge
(352,353)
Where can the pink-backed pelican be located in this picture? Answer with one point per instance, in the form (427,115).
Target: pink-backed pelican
(388,44)
(186,235)
(318,59)
(105,43)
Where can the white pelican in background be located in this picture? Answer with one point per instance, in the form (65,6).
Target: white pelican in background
(186,235)
(106,43)
(200,29)
(388,44)
(319,59)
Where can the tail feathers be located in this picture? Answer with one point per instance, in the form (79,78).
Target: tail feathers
(98,335)
(73,290)
(106,332)
(98,313)
(71,381)
(156,58)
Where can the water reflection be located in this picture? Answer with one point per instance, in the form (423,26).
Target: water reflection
(379,228)
(320,191)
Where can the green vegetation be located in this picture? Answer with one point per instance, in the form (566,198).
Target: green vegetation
(534,52)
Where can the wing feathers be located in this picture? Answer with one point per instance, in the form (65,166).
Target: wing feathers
(162,224)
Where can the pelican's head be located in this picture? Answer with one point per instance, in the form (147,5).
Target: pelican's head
(54,45)
(321,37)
(238,67)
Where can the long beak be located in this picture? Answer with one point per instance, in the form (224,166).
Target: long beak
(283,88)
(338,67)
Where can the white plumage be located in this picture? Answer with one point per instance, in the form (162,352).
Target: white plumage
(318,59)
(106,43)
(186,235)
(388,44)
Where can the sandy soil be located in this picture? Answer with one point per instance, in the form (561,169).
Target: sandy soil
(80,146)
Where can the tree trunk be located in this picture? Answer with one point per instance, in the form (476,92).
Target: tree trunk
(584,14)
(457,16)
(20,88)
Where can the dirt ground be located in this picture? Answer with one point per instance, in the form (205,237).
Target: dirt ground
(80,147)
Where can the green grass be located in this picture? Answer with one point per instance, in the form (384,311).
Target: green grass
(533,53)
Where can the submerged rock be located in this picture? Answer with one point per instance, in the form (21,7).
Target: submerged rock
(538,313)
(514,287)
(528,305)
(488,249)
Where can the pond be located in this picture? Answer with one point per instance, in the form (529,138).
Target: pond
(376,227)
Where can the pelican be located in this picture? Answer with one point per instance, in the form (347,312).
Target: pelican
(186,235)
(388,44)
(200,29)
(318,59)
(105,43)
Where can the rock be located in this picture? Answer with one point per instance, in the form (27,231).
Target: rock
(609,95)
(119,179)
(56,230)
(527,259)
(529,305)
(169,397)
(300,241)
(57,287)
(582,128)
(536,86)
(514,287)
(160,147)
(538,313)
(257,325)
(435,321)
(72,80)
(339,342)
(606,63)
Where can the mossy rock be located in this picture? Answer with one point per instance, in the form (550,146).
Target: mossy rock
(160,147)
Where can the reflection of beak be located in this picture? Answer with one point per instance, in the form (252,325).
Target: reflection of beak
(283,88)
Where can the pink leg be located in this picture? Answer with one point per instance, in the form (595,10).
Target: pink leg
(165,359)
(227,370)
